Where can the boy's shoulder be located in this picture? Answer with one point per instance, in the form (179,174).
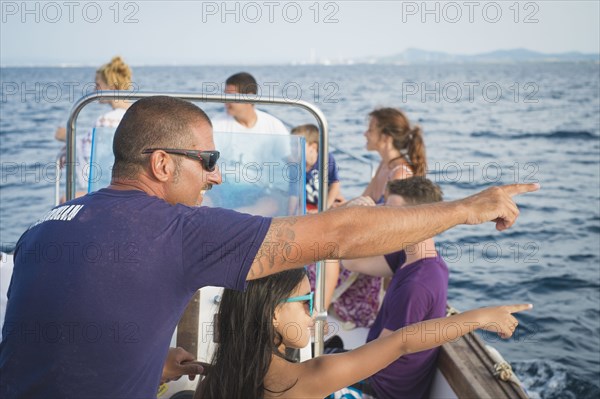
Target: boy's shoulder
(429,273)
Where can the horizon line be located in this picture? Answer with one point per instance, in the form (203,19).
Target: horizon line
(358,60)
(323,64)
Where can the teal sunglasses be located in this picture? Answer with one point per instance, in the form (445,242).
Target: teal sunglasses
(302,298)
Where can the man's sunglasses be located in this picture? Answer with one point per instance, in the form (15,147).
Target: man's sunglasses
(303,298)
(208,159)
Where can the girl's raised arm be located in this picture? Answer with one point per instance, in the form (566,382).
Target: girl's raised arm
(326,374)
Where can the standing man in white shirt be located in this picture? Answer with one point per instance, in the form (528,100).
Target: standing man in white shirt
(248,157)
(245,118)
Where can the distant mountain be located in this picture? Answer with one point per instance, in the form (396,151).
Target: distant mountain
(417,56)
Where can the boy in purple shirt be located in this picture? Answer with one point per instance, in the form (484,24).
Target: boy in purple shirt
(417,292)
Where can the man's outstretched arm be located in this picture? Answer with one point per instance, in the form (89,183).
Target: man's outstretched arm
(360,232)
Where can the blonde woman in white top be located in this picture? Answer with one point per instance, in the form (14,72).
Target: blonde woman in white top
(115,75)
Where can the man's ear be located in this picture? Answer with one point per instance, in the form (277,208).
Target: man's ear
(161,166)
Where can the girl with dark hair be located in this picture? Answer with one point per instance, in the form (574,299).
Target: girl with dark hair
(255,327)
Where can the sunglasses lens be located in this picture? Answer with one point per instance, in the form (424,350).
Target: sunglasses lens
(209,160)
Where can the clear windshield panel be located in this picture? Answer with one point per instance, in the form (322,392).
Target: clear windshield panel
(263,174)
(101,158)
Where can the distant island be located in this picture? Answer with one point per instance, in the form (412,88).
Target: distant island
(410,56)
(418,56)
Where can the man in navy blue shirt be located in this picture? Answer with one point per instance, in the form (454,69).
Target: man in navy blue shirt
(100,282)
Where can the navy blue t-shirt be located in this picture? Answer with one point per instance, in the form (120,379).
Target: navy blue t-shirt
(312,179)
(99,285)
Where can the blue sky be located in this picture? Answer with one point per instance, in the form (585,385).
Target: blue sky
(279,32)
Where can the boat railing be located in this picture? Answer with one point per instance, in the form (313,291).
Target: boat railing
(58,166)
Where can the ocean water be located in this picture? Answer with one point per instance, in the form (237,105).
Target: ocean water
(483,125)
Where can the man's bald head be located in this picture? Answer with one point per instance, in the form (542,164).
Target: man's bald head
(153,122)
